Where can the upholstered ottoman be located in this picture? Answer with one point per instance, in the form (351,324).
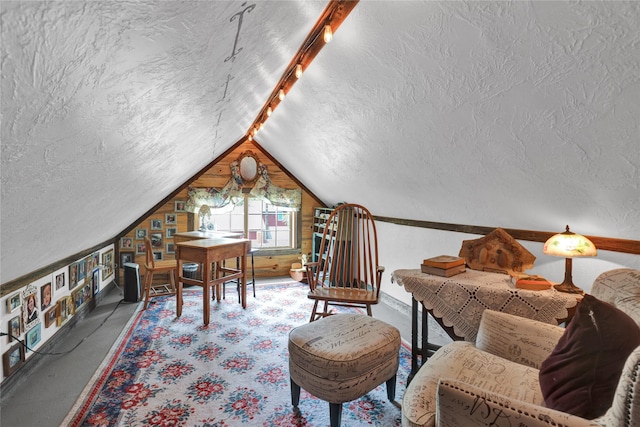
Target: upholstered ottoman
(342,357)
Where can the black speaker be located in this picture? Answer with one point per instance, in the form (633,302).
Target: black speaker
(131,282)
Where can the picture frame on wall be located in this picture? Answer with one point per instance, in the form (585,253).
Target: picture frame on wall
(59,281)
(170,232)
(82,270)
(126,243)
(141,249)
(170,219)
(73,275)
(158,255)
(14,328)
(33,336)
(95,281)
(171,248)
(14,302)
(46,296)
(156,224)
(62,312)
(141,233)
(107,262)
(12,359)
(126,257)
(156,240)
(179,206)
(51,316)
(30,306)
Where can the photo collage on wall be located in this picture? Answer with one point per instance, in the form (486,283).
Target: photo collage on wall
(159,230)
(50,302)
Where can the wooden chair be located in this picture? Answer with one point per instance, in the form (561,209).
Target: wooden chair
(152,266)
(347,272)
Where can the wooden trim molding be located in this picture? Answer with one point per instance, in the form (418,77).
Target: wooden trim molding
(23,281)
(602,243)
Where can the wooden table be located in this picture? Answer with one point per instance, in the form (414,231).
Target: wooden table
(210,253)
(457,303)
(197,235)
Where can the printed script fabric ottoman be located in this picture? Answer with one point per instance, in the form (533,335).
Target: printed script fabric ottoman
(344,356)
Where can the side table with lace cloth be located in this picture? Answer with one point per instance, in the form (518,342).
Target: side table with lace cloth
(457,303)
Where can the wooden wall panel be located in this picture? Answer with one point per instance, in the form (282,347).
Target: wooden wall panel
(217,176)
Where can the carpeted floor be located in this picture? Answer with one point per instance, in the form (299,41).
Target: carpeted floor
(173,371)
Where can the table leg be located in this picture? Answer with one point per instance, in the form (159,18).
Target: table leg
(206,287)
(244,280)
(414,339)
(179,290)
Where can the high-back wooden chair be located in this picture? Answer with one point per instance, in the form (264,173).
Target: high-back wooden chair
(152,266)
(347,271)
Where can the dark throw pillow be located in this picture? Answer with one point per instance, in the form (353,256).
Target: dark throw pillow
(580,376)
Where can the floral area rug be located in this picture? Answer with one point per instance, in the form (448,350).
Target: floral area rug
(170,371)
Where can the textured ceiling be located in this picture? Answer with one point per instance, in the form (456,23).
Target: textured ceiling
(512,114)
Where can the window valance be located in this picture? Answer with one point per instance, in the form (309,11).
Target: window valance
(277,196)
(224,199)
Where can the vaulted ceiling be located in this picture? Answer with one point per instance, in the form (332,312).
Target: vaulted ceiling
(513,114)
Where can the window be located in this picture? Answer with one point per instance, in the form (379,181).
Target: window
(266,225)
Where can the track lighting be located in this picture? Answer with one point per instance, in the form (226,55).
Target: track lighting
(281,94)
(298,71)
(269,111)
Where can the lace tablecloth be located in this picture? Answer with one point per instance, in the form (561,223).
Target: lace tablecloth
(460,300)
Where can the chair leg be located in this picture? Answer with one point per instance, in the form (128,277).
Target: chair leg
(148,279)
(369,310)
(335,414)
(295,393)
(391,389)
(314,311)
(253,276)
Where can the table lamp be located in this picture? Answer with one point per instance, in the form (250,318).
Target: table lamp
(205,210)
(569,245)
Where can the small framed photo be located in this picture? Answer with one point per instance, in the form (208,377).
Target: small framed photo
(46,293)
(107,262)
(179,205)
(62,311)
(82,270)
(59,281)
(156,224)
(12,359)
(14,302)
(158,256)
(34,335)
(73,275)
(126,243)
(15,328)
(141,233)
(170,219)
(30,312)
(126,257)
(140,249)
(170,232)
(156,240)
(51,316)
(171,248)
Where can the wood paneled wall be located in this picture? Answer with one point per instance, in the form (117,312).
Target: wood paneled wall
(217,176)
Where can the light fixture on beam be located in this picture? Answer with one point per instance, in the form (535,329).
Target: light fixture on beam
(281,94)
(328,33)
(298,72)
(269,111)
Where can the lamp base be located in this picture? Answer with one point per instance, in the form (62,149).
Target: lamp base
(569,288)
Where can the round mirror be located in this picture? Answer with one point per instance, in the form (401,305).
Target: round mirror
(248,167)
